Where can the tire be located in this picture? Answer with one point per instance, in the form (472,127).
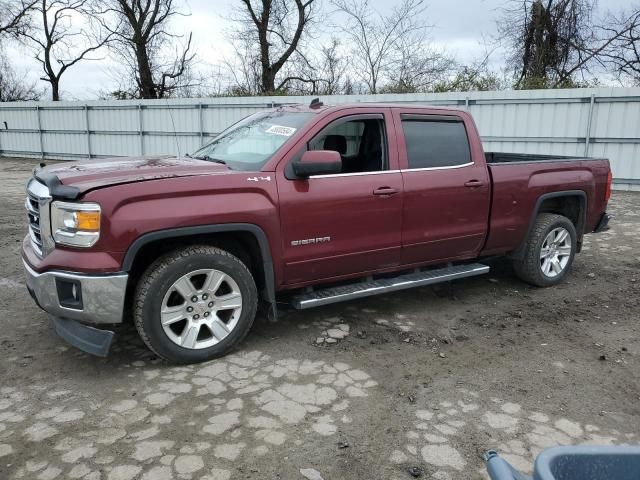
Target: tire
(217,280)
(531,267)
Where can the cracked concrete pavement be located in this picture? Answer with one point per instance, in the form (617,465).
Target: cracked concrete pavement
(425,379)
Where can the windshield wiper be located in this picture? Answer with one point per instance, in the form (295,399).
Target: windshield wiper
(211,159)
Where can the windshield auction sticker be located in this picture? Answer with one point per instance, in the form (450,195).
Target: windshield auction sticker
(280,130)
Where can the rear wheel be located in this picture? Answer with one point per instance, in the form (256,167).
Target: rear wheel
(195,304)
(549,251)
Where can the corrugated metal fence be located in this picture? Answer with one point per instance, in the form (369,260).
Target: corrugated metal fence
(603,122)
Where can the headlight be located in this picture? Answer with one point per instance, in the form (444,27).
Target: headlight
(75,224)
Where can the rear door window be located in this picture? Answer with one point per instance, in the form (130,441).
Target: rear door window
(435,143)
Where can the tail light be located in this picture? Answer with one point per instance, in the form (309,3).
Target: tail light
(607,192)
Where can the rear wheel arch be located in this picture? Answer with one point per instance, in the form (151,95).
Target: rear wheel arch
(246,241)
(571,204)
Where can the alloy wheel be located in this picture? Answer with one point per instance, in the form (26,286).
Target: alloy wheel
(201,308)
(555,252)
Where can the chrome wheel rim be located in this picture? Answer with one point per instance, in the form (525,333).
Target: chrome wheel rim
(201,308)
(555,252)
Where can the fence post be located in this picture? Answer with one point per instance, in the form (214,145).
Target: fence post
(40,132)
(200,123)
(587,137)
(466,103)
(87,129)
(140,129)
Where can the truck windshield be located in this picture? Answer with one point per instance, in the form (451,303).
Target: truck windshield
(248,144)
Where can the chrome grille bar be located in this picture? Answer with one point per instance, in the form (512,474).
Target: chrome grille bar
(36,242)
(31,205)
(37,206)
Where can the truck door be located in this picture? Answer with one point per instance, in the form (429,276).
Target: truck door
(347,223)
(446,187)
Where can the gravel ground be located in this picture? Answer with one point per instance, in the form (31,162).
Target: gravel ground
(421,381)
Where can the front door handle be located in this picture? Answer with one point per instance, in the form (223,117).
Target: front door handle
(474,184)
(385,191)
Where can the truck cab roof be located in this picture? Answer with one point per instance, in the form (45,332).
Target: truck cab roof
(322,108)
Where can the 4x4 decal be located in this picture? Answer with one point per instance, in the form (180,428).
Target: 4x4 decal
(259,179)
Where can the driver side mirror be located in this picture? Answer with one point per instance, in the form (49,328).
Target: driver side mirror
(318,162)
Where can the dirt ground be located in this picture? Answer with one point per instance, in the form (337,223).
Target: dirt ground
(419,382)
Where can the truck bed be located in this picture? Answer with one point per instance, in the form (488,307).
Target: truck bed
(520,180)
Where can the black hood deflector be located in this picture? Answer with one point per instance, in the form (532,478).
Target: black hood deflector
(57,190)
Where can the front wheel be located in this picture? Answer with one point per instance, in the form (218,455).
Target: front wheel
(549,251)
(195,304)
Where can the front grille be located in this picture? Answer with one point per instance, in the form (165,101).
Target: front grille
(37,204)
(33,215)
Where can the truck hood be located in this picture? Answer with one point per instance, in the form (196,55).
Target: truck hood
(87,175)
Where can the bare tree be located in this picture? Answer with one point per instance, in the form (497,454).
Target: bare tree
(476,76)
(382,44)
(416,66)
(13,86)
(550,41)
(56,41)
(244,68)
(276,28)
(332,69)
(622,55)
(538,50)
(14,20)
(14,15)
(320,71)
(301,77)
(150,51)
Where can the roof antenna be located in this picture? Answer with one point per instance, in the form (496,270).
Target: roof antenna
(315,103)
(175,134)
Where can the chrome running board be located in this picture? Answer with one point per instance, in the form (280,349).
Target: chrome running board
(368,288)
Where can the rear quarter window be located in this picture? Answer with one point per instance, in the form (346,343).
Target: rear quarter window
(436,144)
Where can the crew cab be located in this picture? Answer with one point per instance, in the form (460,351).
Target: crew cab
(315,204)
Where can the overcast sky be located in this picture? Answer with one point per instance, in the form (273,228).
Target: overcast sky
(461,27)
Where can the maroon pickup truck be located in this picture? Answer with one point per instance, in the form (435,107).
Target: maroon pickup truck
(313,203)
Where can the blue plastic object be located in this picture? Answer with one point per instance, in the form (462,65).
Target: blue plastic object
(499,469)
(573,463)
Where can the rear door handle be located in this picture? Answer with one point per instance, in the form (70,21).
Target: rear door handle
(385,191)
(474,184)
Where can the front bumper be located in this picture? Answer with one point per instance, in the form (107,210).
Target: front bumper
(99,299)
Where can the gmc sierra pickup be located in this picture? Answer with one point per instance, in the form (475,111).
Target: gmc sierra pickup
(327,203)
